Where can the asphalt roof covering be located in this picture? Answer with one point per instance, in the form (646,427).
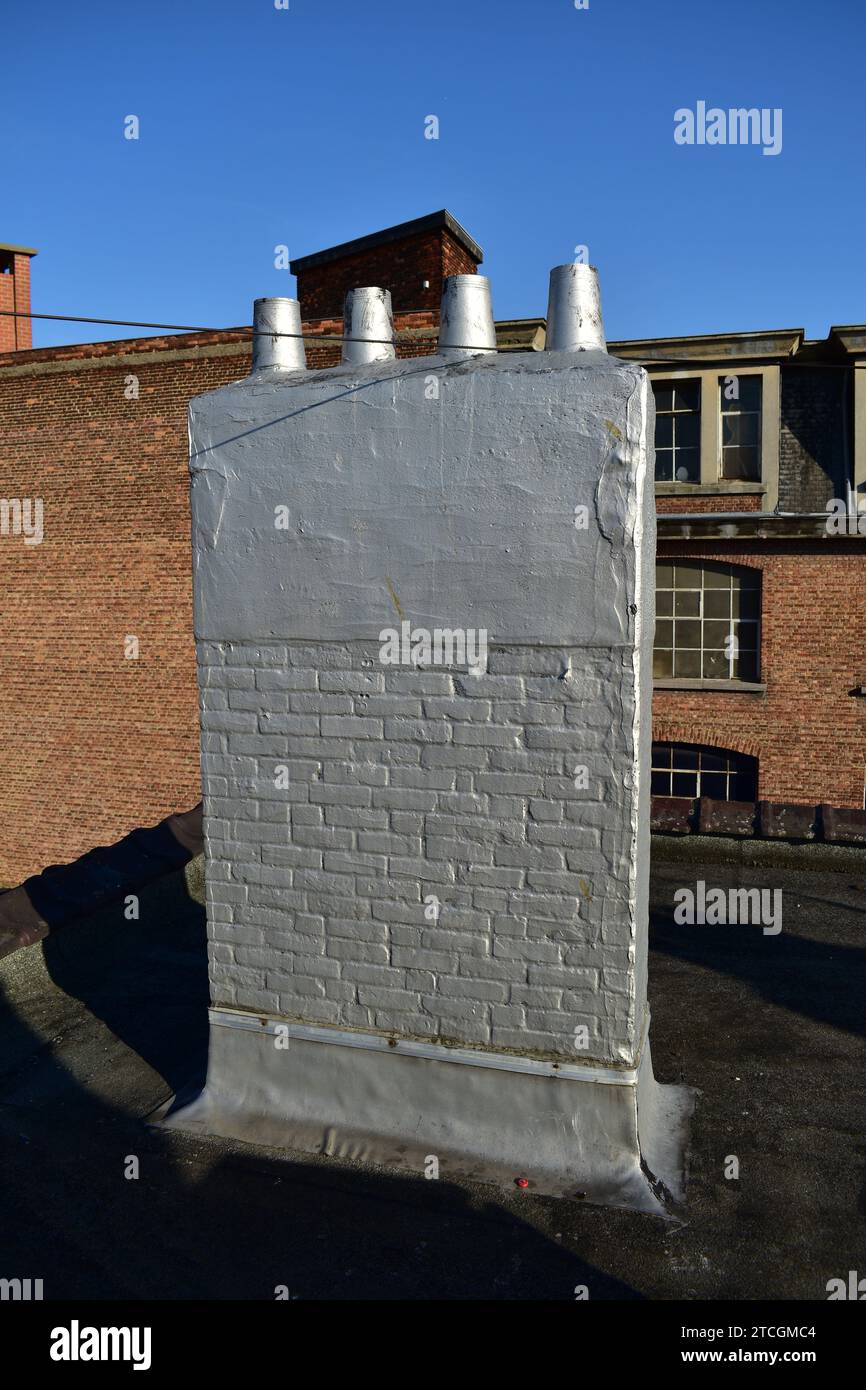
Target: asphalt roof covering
(102,1022)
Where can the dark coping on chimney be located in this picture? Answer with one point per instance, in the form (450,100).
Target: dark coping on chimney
(434,221)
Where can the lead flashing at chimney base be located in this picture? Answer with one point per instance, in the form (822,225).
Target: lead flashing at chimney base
(424,612)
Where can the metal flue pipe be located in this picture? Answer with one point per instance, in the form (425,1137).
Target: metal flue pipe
(367,321)
(466,327)
(271,351)
(574,321)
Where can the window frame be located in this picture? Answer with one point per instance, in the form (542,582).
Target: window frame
(697,751)
(674,384)
(711,483)
(731,682)
(740,414)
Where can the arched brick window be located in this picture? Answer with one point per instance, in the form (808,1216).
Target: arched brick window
(708,619)
(690,770)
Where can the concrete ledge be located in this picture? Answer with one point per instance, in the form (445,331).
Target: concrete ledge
(783,854)
(605,1134)
(844,825)
(771,820)
(725,817)
(779,821)
(721,687)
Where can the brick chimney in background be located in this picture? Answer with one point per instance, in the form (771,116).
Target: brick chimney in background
(410,260)
(15,333)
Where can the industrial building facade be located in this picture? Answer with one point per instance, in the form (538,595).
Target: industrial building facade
(760,661)
(760,649)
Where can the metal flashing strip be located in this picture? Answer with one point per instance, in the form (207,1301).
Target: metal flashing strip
(435,1052)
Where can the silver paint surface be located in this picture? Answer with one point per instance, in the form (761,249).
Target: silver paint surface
(367,321)
(574,318)
(451,512)
(466,326)
(506,493)
(277,345)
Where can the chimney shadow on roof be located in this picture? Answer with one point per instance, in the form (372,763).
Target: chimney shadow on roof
(209,1219)
(147,979)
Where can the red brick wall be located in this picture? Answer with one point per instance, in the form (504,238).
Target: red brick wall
(7,303)
(93,744)
(713,502)
(807,731)
(398,266)
(814,436)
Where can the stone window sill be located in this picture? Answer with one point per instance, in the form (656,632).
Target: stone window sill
(709,489)
(735,687)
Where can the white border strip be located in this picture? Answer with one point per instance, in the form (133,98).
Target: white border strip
(434,1052)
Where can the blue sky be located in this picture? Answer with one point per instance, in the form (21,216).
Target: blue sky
(306,127)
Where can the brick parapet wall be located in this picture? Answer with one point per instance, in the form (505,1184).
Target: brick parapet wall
(169,347)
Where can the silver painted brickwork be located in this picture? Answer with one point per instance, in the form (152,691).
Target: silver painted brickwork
(409,850)
(406,790)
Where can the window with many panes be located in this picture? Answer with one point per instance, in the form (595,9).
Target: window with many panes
(678,431)
(686,769)
(740,405)
(707,622)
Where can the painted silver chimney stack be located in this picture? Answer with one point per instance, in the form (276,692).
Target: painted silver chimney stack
(574,321)
(367,321)
(271,352)
(466,327)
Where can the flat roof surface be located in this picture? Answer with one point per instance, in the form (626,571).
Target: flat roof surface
(102,1024)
